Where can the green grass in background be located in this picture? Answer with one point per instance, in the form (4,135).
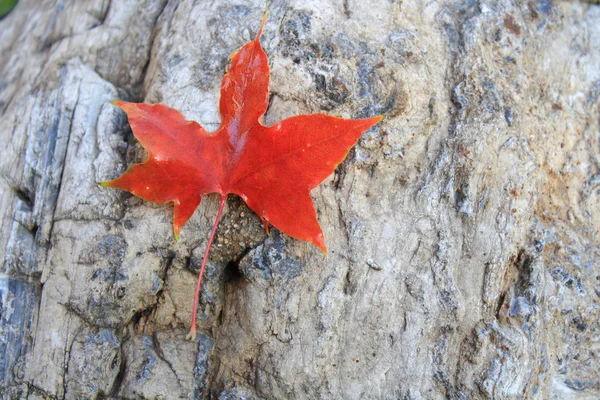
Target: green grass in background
(6,6)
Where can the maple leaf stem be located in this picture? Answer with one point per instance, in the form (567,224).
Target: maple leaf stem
(192,334)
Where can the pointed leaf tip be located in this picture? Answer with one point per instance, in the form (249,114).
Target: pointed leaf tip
(377,119)
(119,103)
(324,250)
(262,24)
(320,243)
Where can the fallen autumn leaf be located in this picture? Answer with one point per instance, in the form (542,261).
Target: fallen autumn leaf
(273,168)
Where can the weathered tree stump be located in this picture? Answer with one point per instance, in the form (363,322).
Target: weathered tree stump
(463,231)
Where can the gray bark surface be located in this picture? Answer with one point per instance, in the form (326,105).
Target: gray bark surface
(463,231)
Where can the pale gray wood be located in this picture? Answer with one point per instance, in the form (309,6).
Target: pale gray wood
(462,231)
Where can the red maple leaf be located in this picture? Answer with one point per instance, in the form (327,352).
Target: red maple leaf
(273,168)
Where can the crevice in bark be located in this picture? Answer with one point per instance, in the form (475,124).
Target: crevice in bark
(158,350)
(106,10)
(63,163)
(138,87)
(231,272)
(114,392)
(25,196)
(347,286)
(31,388)
(347,11)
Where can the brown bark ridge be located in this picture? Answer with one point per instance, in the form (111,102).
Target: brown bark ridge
(463,230)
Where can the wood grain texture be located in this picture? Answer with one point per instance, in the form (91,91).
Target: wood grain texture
(462,231)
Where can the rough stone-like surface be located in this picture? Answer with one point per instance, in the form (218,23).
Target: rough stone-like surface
(463,231)
(95,358)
